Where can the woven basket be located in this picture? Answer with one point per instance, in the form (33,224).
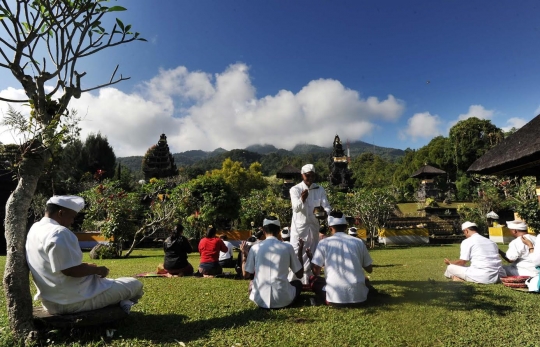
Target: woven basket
(514,279)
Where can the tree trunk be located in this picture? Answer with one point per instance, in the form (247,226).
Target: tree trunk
(16,274)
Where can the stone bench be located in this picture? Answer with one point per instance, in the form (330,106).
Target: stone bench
(106,315)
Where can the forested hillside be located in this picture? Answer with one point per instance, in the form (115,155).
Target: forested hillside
(271,158)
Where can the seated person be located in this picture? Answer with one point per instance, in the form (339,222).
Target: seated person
(353,232)
(240,260)
(323,229)
(64,283)
(226,258)
(269,262)
(486,266)
(209,248)
(344,259)
(176,248)
(518,253)
(286,235)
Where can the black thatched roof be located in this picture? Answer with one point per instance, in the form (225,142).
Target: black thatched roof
(288,171)
(518,154)
(427,171)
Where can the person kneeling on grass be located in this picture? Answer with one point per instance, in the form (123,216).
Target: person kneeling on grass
(209,248)
(344,258)
(176,248)
(269,262)
(64,283)
(486,266)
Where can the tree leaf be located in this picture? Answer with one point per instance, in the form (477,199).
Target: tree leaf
(120,24)
(116,8)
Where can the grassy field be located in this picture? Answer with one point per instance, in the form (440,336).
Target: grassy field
(422,309)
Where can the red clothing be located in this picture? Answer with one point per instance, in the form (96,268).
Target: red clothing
(210,248)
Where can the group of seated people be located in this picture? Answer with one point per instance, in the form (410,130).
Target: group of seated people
(65,284)
(484,257)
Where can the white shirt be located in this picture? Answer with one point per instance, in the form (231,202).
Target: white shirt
(229,253)
(270,261)
(51,248)
(343,258)
(518,252)
(486,266)
(303,219)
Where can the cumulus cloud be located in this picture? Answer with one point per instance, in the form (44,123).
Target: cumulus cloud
(477,111)
(514,122)
(198,110)
(422,125)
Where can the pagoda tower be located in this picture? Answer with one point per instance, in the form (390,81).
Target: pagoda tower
(340,174)
(158,161)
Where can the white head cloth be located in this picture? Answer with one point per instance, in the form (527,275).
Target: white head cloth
(307,168)
(467,225)
(516,225)
(337,221)
(269,221)
(492,215)
(75,203)
(285,233)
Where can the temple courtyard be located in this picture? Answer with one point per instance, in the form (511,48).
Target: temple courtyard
(420,308)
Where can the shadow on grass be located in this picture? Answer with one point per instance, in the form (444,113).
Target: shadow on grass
(452,296)
(386,265)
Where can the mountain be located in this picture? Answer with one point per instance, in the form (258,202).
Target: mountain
(268,155)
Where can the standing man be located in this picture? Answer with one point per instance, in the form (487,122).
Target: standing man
(345,258)
(64,283)
(268,262)
(305,196)
(518,252)
(486,266)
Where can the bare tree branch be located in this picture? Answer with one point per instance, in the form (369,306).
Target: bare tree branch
(106,84)
(12,100)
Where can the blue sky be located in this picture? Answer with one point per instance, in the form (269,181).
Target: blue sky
(233,73)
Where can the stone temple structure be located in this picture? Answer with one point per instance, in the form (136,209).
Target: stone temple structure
(340,175)
(158,161)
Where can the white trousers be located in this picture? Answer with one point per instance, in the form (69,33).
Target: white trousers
(456,270)
(512,270)
(122,288)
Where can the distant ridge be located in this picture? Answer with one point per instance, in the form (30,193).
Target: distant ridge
(268,155)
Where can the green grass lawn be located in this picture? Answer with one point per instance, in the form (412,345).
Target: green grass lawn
(422,309)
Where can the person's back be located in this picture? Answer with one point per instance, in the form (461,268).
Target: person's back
(343,258)
(45,260)
(226,255)
(270,260)
(486,266)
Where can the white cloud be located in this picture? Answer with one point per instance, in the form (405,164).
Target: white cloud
(477,111)
(197,110)
(514,122)
(422,125)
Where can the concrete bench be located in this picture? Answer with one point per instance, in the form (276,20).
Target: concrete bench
(106,315)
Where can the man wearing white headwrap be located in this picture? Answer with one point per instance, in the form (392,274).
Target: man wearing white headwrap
(344,258)
(305,196)
(269,262)
(518,253)
(482,253)
(64,283)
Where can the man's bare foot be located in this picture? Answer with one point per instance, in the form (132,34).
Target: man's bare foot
(457,279)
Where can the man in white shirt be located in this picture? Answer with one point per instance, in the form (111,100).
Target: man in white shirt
(344,258)
(269,262)
(482,253)
(518,253)
(226,259)
(305,196)
(64,283)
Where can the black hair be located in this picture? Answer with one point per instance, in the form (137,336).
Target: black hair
(252,239)
(271,228)
(473,228)
(176,231)
(52,209)
(211,232)
(224,237)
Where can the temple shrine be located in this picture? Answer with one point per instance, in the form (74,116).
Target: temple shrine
(340,175)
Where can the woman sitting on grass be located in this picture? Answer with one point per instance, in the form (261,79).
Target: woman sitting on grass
(176,248)
(209,248)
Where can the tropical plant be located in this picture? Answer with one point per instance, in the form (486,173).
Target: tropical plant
(42,43)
